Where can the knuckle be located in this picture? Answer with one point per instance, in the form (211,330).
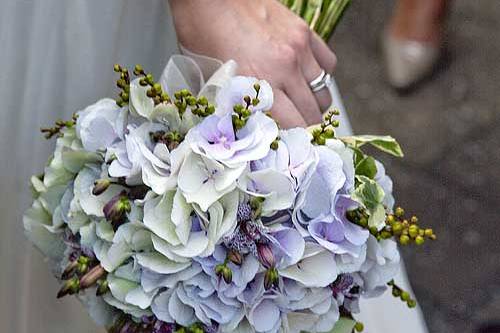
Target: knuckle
(300,37)
(287,55)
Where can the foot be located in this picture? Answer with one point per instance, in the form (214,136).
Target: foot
(412,40)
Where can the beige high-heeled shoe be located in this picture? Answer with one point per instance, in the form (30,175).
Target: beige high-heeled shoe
(407,61)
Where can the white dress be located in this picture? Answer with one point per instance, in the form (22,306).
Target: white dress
(56,57)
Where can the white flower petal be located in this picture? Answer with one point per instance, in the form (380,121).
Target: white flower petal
(306,270)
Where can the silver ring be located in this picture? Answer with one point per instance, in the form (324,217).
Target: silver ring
(320,82)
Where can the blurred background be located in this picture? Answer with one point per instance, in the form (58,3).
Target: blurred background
(449,128)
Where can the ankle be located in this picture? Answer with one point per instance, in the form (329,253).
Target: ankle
(419,20)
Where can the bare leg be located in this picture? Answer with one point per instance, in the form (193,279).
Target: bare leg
(412,40)
(419,20)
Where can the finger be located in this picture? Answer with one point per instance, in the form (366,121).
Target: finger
(301,95)
(311,70)
(323,54)
(285,112)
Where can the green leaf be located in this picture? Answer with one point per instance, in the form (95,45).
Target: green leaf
(377,217)
(366,167)
(344,325)
(370,195)
(385,143)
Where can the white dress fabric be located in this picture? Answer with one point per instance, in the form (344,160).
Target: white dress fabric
(57,57)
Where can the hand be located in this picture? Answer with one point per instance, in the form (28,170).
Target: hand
(269,42)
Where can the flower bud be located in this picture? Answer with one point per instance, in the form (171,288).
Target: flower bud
(92,276)
(117,208)
(271,278)
(70,287)
(69,270)
(247,100)
(275,145)
(102,287)
(227,274)
(235,257)
(266,256)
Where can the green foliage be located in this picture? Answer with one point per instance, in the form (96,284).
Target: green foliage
(385,143)
(369,193)
(366,167)
(322,16)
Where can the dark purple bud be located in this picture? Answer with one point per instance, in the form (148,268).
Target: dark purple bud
(266,256)
(117,208)
(100,186)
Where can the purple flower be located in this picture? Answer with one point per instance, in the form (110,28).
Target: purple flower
(321,208)
(216,139)
(336,233)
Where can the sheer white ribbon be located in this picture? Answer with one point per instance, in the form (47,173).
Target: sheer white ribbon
(204,76)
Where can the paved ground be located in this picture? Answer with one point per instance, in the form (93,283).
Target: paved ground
(450,176)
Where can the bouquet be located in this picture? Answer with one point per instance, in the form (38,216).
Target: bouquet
(170,210)
(322,16)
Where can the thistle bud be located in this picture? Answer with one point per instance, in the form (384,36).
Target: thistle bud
(271,278)
(117,208)
(266,256)
(70,287)
(92,276)
(235,257)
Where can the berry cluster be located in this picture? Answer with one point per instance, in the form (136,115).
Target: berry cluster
(326,129)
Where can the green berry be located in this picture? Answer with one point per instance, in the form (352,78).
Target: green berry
(397,228)
(404,240)
(405,296)
(399,212)
(413,231)
(419,240)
